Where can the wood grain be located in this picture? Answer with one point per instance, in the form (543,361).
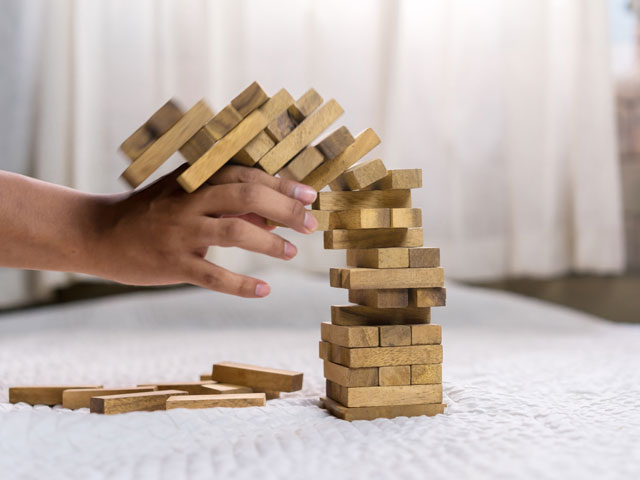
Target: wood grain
(335,143)
(362,199)
(405,217)
(271,379)
(382,356)
(249,99)
(223,388)
(351,377)
(383,298)
(396,335)
(75,398)
(368,278)
(303,134)
(360,175)
(238,400)
(378,257)
(197,145)
(132,402)
(350,336)
(192,388)
(280,127)
(392,376)
(373,238)
(353,315)
(427,297)
(426,374)
(254,150)
(205,376)
(329,170)
(379,396)
(223,122)
(388,411)
(424,257)
(302,164)
(399,179)
(425,334)
(305,105)
(42,395)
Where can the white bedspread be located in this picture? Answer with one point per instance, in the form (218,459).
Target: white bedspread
(534,391)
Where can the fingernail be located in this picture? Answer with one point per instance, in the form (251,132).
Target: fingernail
(289,250)
(305,194)
(310,222)
(262,290)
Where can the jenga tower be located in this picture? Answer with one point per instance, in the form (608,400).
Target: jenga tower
(382,356)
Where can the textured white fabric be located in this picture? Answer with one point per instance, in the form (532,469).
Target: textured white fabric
(505,104)
(534,391)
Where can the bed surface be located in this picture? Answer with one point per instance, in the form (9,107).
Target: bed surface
(533,391)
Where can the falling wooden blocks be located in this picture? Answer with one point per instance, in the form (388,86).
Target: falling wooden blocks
(360,176)
(398,179)
(363,199)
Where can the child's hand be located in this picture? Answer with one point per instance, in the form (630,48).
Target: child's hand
(160,234)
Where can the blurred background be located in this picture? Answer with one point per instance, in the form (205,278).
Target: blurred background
(523,114)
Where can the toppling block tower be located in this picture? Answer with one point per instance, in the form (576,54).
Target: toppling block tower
(382,356)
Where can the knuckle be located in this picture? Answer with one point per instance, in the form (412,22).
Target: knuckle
(212,280)
(248,175)
(231,229)
(297,211)
(250,194)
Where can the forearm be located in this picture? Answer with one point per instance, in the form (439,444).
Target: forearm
(47,227)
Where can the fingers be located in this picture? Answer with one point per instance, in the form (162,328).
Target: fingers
(236,232)
(237,174)
(257,220)
(242,198)
(205,274)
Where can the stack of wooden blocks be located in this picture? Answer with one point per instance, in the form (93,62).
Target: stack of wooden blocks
(382,356)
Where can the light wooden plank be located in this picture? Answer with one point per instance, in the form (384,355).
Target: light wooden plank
(378,257)
(381,356)
(373,238)
(425,334)
(223,388)
(360,176)
(399,179)
(249,99)
(369,278)
(192,388)
(350,336)
(335,143)
(132,402)
(427,297)
(426,374)
(254,150)
(392,376)
(205,376)
(271,379)
(42,394)
(302,164)
(362,199)
(378,396)
(396,335)
(303,134)
(75,398)
(388,411)
(197,145)
(351,377)
(233,400)
(280,127)
(223,122)
(424,257)
(362,315)
(405,217)
(305,105)
(383,298)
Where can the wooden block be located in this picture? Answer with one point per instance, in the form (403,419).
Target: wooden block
(137,142)
(229,145)
(391,376)
(323,350)
(254,150)
(373,238)
(388,411)
(223,122)
(197,145)
(132,402)
(249,99)
(424,335)
(280,127)
(224,388)
(205,376)
(75,398)
(378,258)
(368,278)
(351,377)
(329,170)
(396,335)
(305,105)
(383,298)
(354,315)
(302,164)
(42,395)
(360,176)
(269,394)
(424,257)
(335,143)
(362,199)
(192,388)
(271,379)
(350,336)
(405,217)
(303,134)
(237,400)
(377,396)
(426,374)
(335,277)
(427,297)
(399,179)
(167,144)
(382,356)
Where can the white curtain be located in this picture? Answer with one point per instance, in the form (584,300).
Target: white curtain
(506,105)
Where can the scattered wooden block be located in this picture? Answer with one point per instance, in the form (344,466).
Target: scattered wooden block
(280,127)
(302,164)
(350,336)
(223,388)
(249,99)
(270,395)
(271,379)
(424,257)
(362,199)
(229,145)
(238,400)
(383,298)
(378,396)
(205,376)
(378,257)
(254,150)
(382,356)
(223,122)
(42,395)
(169,143)
(75,398)
(137,143)
(396,335)
(399,179)
(192,388)
(393,376)
(132,402)
(427,297)
(368,278)
(305,105)
(351,377)
(354,315)
(360,176)
(424,335)
(197,145)
(335,143)
(426,374)
(329,170)
(303,134)
(372,238)
(405,217)
(388,411)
